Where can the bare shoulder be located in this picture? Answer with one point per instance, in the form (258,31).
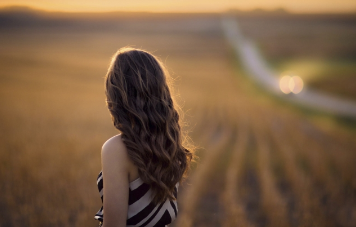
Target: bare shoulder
(114,145)
(114,150)
(114,157)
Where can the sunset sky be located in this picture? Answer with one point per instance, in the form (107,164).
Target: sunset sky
(317,6)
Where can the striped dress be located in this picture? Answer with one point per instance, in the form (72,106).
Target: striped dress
(141,210)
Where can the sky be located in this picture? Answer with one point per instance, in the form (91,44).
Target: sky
(300,6)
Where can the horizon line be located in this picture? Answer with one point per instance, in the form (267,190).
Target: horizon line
(251,10)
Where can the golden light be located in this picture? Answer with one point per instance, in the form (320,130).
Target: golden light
(289,84)
(184,5)
(298,84)
(284,84)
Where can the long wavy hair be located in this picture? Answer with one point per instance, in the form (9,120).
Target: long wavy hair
(143,110)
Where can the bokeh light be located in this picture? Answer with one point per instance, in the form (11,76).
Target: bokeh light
(290,84)
(284,84)
(297,84)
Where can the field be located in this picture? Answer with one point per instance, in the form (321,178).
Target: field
(261,162)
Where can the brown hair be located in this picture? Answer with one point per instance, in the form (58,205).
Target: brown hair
(142,109)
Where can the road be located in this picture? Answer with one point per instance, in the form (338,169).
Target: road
(258,69)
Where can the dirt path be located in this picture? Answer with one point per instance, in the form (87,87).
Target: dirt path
(258,69)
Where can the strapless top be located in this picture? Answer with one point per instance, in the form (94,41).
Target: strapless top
(141,209)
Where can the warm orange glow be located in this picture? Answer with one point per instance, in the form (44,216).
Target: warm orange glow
(284,84)
(185,5)
(297,84)
(290,84)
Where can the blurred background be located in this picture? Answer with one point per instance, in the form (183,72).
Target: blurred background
(268,91)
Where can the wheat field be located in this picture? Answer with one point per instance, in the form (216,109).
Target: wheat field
(261,162)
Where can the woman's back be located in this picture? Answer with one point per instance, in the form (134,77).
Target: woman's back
(143,166)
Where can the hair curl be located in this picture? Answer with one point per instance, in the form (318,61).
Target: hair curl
(142,109)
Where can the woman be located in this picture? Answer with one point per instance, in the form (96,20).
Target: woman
(143,165)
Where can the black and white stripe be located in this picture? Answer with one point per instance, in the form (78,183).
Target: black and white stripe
(141,210)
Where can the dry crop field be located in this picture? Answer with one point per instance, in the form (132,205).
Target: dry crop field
(261,163)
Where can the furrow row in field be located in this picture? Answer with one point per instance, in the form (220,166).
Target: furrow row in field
(217,141)
(314,158)
(340,151)
(330,186)
(204,126)
(309,142)
(309,213)
(235,214)
(272,202)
